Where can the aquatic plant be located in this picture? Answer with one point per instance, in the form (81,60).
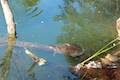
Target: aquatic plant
(106,47)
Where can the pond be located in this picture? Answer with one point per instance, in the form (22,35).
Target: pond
(50,22)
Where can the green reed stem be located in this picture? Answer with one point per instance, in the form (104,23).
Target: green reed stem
(107,45)
(102,50)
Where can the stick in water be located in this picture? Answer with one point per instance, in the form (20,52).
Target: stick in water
(39,61)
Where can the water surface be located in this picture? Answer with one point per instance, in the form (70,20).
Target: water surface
(82,22)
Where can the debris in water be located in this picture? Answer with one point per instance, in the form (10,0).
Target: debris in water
(93,64)
(100,69)
(39,61)
(118,27)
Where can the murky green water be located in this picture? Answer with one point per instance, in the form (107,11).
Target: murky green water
(90,24)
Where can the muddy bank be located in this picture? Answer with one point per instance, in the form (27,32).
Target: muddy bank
(106,68)
(98,74)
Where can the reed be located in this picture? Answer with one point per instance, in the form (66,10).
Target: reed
(102,50)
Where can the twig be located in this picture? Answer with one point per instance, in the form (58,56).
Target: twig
(39,61)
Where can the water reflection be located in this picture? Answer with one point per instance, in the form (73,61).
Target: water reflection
(6,61)
(111,7)
(31,72)
(85,22)
(88,23)
(32,7)
(25,8)
(30,3)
